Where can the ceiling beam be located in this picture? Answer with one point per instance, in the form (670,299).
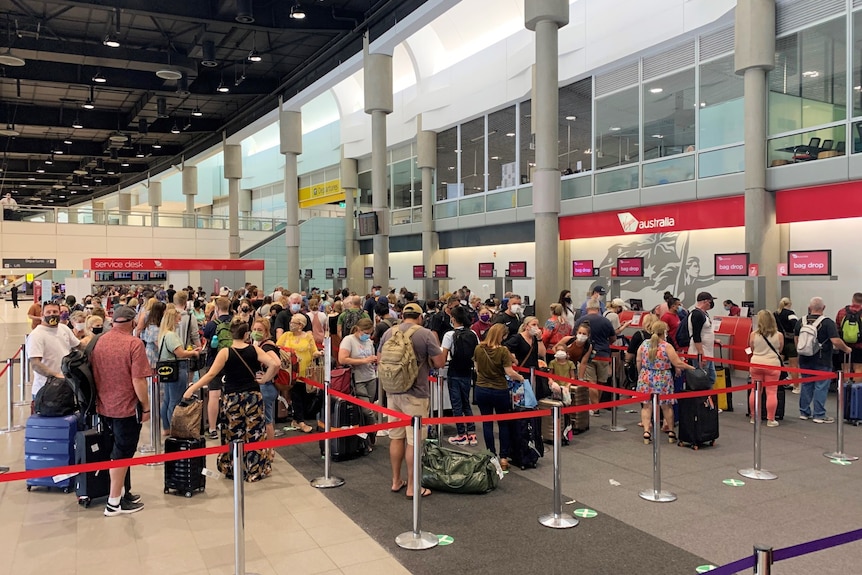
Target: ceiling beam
(41,147)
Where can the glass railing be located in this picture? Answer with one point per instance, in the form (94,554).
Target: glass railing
(669,171)
(497,201)
(608,181)
(525,196)
(401,217)
(471,205)
(579,186)
(828,142)
(446,209)
(142,219)
(721,162)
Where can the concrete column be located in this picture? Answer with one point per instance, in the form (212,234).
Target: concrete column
(98,212)
(426,145)
(154,198)
(754,54)
(350,183)
(190,190)
(245,203)
(124,204)
(545,17)
(290,134)
(233,174)
(378,102)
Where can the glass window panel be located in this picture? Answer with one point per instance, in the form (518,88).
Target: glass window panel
(502,170)
(669,108)
(617,129)
(417,182)
(807,146)
(579,187)
(447,164)
(473,156)
(857,63)
(401,184)
(500,201)
(576,124)
(468,206)
(527,143)
(721,104)
(364,181)
(719,162)
(669,171)
(525,196)
(617,180)
(446,210)
(808,85)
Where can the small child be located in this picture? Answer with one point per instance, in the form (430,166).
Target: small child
(562,366)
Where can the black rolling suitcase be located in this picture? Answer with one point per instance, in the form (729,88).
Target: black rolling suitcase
(698,422)
(185,476)
(92,446)
(525,439)
(779,410)
(344,414)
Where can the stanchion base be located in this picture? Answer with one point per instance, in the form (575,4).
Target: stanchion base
(327,482)
(657,497)
(12,429)
(840,456)
(409,540)
(757,474)
(156,464)
(558,521)
(146,449)
(614,428)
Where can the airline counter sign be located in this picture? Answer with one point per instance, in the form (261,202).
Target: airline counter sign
(697,215)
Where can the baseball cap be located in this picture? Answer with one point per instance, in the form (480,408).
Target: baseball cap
(412,308)
(123,314)
(705,296)
(600,289)
(225,291)
(618,302)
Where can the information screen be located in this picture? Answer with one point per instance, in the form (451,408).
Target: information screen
(486,270)
(330,273)
(140,276)
(342,273)
(158,276)
(441,271)
(630,267)
(418,272)
(122,276)
(582,268)
(368,273)
(309,274)
(731,264)
(809,263)
(517,269)
(368,224)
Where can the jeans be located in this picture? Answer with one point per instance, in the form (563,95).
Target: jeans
(816,390)
(492,401)
(459,395)
(270,396)
(708,367)
(172,394)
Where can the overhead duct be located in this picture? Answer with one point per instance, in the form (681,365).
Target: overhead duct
(208,59)
(244,13)
(162,108)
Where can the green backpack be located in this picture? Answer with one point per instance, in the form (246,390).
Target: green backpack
(223,337)
(850,329)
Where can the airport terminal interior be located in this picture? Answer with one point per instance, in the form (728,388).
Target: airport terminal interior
(524,146)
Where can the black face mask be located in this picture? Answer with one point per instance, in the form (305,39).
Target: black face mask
(567,299)
(711,304)
(97,329)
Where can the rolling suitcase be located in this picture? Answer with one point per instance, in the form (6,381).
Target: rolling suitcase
(853,403)
(344,415)
(92,446)
(49,442)
(698,422)
(525,437)
(779,410)
(548,422)
(185,476)
(581,419)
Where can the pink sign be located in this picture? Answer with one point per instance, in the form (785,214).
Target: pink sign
(486,270)
(753,270)
(441,271)
(630,267)
(731,264)
(782,269)
(582,268)
(809,263)
(418,272)
(517,269)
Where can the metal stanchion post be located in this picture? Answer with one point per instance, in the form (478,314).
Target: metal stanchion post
(656,494)
(10,427)
(417,539)
(155,446)
(327,481)
(236,448)
(23,402)
(25,375)
(614,426)
(439,408)
(556,519)
(762,560)
(839,421)
(756,472)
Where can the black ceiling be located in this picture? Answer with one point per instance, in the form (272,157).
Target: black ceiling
(62,43)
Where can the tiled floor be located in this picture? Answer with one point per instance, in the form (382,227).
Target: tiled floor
(290,526)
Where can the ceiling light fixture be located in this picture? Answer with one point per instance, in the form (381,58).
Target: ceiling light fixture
(254,55)
(208,54)
(244,14)
(40,171)
(99,79)
(157,146)
(88,105)
(140,152)
(571,118)
(49,160)
(68,141)
(111,40)
(169,74)
(9,59)
(125,163)
(10,131)
(197,112)
(656,90)
(222,88)
(77,123)
(175,129)
(80,172)
(297,12)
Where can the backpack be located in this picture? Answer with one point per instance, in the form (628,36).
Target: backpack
(397,368)
(464,343)
(808,344)
(350,320)
(223,337)
(850,329)
(683,332)
(76,368)
(55,399)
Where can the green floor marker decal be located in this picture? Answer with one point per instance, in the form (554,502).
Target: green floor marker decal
(705,568)
(734,482)
(585,513)
(445,540)
(840,462)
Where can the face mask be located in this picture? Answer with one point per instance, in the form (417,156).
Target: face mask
(711,304)
(535,331)
(295,308)
(80,326)
(561,355)
(53,320)
(97,329)
(377,292)
(567,299)
(364,337)
(485,317)
(727,308)
(64,316)
(582,337)
(244,309)
(515,309)
(256,336)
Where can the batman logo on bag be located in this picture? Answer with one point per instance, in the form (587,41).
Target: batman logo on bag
(165,370)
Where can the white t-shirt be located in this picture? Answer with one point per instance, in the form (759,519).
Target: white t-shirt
(52,345)
(448,339)
(360,350)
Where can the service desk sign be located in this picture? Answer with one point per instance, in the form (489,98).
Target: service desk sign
(132,264)
(29,263)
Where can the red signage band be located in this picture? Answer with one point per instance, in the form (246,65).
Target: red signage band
(830,202)
(149,264)
(697,215)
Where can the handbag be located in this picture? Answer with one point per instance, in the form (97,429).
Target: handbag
(457,472)
(522,394)
(186,419)
(167,369)
(196,362)
(314,372)
(697,380)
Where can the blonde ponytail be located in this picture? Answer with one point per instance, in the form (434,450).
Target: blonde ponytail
(654,342)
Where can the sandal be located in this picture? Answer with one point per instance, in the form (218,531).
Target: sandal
(425,493)
(647,437)
(671,437)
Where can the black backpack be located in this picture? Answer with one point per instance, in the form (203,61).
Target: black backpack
(79,375)
(683,333)
(55,399)
(464,343)
(350,320)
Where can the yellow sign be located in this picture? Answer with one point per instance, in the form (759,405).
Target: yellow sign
(325,193)
(29,278)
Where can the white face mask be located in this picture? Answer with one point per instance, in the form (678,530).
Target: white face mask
(80,326)
(561,355)
(515,308)
(535,331)
(582,337)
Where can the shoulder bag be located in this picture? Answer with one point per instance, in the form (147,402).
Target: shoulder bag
(196,362)
(783,375)
(168,369)
(186,419)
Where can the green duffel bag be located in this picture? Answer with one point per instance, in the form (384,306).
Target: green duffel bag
(457,472)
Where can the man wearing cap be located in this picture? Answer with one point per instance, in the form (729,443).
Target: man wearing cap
(414,401)
(597,294)
(702,334)
(613,315)
(602,334)
(120,370)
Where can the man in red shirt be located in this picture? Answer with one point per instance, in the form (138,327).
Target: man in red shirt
(671,318)
(855,347)
(120,369)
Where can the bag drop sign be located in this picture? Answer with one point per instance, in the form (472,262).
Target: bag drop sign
(809,263)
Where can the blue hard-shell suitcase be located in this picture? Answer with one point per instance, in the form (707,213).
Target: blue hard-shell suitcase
(49,442)
(853,403)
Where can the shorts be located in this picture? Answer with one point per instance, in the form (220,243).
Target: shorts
(597,371)
(216,384)
(789,349)
(126,432)
(856,356)
(270,396)
(408,405)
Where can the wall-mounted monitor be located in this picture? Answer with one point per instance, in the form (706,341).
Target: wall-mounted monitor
(630,267)
(368,224)
(731,264)
(140,276)
(342,273)
(158,276)
(309,274)
(809,263)
(368,273)
(122,276)
(517,270)
(330,273)
(441,271)
(104,276)
(582,268)
(418,272)
(486,270)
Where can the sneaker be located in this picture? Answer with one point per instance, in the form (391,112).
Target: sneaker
(124,508)
(772,423)
(383,433)
(823,420)
(472,439)
(211,434)
(750,421)
(804,417)
(459,440)
(796,390)
(132,497)
(595,413)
